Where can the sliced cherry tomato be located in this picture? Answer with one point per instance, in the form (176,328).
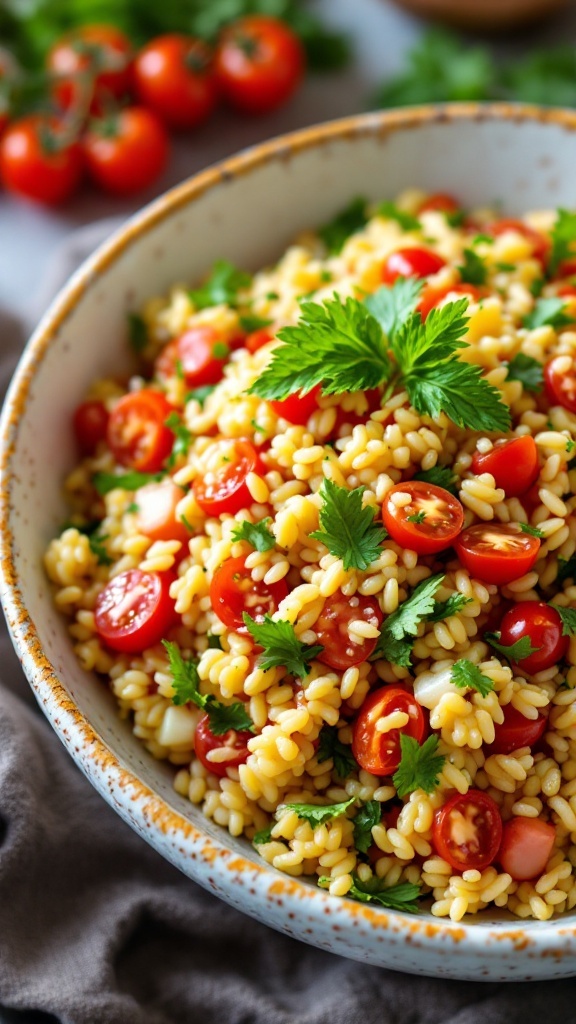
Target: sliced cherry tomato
(331,628)
(127,151)
(540,244)
(173,75)
(225,489)
(156,516)
(560,384)
(440,201)
(259,64)
(95,59)
(137,431)
(497,552)
(516,731)
(38,161)
(205,741)
(467,831)
(512,462)
(134,610)
(257,339)
(90,422)
(526,847)
(429,522)
(433,295)
(376,752)
(412,262)
(543,625)
(233,592)
(199,354)
(298,408)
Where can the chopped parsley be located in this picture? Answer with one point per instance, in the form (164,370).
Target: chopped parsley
(316,814)
(397,635)
(186,685)
(347,529)
(534,531)
(214,642)
(568,616)
(420,765)
(256,534)
(548,312)
(331,748)
(401,897)
(199,394)
(474,269)
(515,652)
(98,547)
(106,482)
(281,646)
(467,675)
(264,836)
(563,237)
(182,437)
(417,518)
(528,371)
(222,287)
(406,221)
(444,609)
(566,569)
(351,219)
(369,815)
(441,476)
(250,322)
(137,333)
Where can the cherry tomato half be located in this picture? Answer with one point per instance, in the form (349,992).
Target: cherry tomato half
(539,243)
(467,831)
(376,752)
(233,592)
(205,741)
(560,383)
(259,64)
(38,162)
(331,628)
(173,76)
(412,262)
(526,846)
(127,151)
(298,408)
(96,58)
(225,489)
(441,202)
(134,610)
(543,625)
(156,516)
(90,422)
(516,731)
(434,295)
(512,462)
(429,522)
(497,552)
(137,431)
(199,354)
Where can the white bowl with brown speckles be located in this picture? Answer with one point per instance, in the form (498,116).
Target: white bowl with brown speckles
(247,209)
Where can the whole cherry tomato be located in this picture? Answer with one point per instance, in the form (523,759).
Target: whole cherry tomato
(156,515)
(516,731)
(376,752)
(173,75)
(412,262)
(543,625)
(137,431)
(134,610)
(38,161)
(467,831)
(526,847)
(331,628)
(259,64)
(236,744)
(91,66)
(441,202)
(429,522)
(497,552)
(90,423)
(433,295)
(127,151)
(233,592)
(225,489)
(512,462)
(199,354)
(539,243)
(298,408)
(560,383)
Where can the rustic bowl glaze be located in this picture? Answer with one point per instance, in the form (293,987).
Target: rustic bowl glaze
(247,209)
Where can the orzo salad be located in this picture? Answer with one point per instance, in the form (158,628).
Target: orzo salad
(323,549)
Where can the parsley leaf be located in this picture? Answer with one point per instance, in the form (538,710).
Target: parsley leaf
(549,312)
(563,237)
(330,747)
(137,333)
(406,221)
(182,437)
(419,766)
(348,530)
(566,568)
(106,482)
(369,815)
(401,897)
(222,286)
(316,814)
(264,836)
(466,674)
(98,547)
(417,518)
(442,476)
(474,269)
(281,646)
(391,306)
(444,609)
(439,68)
(186,683)
(393,644)
(515,652)
(257,534)
(534,531)
(527,370)
(199,394)
(568,616)
(346,223)
(250,322)
(214,642)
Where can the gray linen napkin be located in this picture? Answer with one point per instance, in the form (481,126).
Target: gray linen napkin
(95,928)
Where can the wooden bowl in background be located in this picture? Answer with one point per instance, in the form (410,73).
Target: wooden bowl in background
(484,15)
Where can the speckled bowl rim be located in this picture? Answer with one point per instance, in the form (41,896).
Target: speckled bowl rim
(211,861)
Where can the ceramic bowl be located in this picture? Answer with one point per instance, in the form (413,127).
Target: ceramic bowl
(247,209)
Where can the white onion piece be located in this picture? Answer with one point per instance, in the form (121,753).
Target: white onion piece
(178,728)
(430,687)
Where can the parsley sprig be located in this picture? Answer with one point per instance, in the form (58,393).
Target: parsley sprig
(281,646)
(466,675)
(258,535)
(347,529)
(420,765)
(318,814)
(568,616)
(397,635)
(402,896)
(548,312)
(186,685)
(444,609)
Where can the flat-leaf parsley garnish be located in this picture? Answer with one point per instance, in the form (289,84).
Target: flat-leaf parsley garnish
(528,371)
(441,476)
(106,482)
(397,635)
(222,286)
(563,237)
(402,896)
(330,747)
(444,609)
(258,535)
(186,683)
(549,312)
(474,269)
(467,675)
(420,765)
(568,616)
(281,646)
(393,306)
(368,816)
(317,814)
(348,530)
(517,651)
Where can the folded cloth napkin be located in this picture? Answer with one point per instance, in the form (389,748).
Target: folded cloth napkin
(96,928)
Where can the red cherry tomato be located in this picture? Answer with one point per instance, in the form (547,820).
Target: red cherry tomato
(351,419)
(543,625)
(467,831)
(433,295)
(516,731)
(126,152)
(567,268)
(540,244)
(92,58)
(137,431)
(134,610)
(497,553)
(526,847)
(156,516)
(412,262)
(173,76)
(440,201)
(331,628)
(205,741)
(225,489)
(430,521)
(198,353)
(298,408)
(259,64)
(37,161)
(257,339)
(379,753)
(233,592)
(90,422)
(512,462)
(560,384)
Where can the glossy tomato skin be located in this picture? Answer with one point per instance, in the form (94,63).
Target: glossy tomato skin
(90,423)
(331,629)
(467,831)
(298,408)
(257,339)
(440,202)
(540,244)
(156,516)
(512,462)
(412,262)
(526,847)
(134,610)
(379,753)
(233,592)
(516,731)
(543,625)
(127,152)
(496,553)
(102,51)
(205,741)
(259,64)
(137,433)
(560,384)
(199,354)
(432,296)
(444,516)
(37,163)
(225,489)
(174,77)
